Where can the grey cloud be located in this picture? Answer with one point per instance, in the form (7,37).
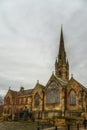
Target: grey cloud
(29,39)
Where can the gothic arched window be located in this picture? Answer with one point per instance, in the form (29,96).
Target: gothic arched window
(36,100)
(72,98)
(52,94)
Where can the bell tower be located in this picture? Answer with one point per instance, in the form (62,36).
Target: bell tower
(61,64)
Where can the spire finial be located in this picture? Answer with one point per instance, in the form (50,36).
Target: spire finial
(52,72)
(61,35)
(9,88)
(38,81)
(71,75)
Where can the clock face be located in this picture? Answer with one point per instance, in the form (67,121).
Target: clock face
(52,94)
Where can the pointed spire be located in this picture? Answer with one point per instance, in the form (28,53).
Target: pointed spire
(52,72)
(61,36)
(62,53)
(56,61)
(37,81)
(71,75)
(61,47)
(61,64)
(67,63)
(9,88)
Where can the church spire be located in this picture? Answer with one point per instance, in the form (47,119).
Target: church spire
(62,53)
(61,36)
(61,65)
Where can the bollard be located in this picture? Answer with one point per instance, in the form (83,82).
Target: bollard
(68,126)
(77,126)
(85,126)
(38,128)
(84,123)
(55,127)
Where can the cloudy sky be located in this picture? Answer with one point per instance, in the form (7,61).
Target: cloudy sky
(29,40)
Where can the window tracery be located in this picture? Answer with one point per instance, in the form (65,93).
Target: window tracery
(52,94)
(72,98)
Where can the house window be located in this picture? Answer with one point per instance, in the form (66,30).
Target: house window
(8,100)
(17,101)
(22,100)
(26,100)
(52,94)
(36,100)
(72,98)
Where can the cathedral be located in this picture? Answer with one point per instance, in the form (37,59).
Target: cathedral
(60,96)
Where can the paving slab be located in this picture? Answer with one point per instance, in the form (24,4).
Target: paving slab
(65,128)
(29,126)
(18,126)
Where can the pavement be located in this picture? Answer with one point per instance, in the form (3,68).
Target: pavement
(30,126)
(65,128)
(18,126)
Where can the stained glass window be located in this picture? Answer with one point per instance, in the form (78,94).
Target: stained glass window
(52,94)
(72,98)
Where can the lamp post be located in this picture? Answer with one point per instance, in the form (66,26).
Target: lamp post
(43,101)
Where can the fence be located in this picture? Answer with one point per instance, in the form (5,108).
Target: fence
(47,126)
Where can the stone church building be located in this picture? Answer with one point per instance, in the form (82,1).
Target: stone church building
(61,96)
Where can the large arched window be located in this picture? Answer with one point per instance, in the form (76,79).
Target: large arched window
(72,98)
(36,100)
(52,94)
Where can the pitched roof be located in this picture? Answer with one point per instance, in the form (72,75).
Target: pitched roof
(41,86)
(83,87)
(62,82)
(25,92)
(14,93)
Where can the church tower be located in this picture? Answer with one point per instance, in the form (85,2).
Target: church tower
(61,64)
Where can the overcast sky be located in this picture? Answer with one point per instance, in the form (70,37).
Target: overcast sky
(29,40)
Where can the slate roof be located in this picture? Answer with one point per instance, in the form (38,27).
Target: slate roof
(83,87)
(62,82)
(25,92)
(41,86)
(14,93)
